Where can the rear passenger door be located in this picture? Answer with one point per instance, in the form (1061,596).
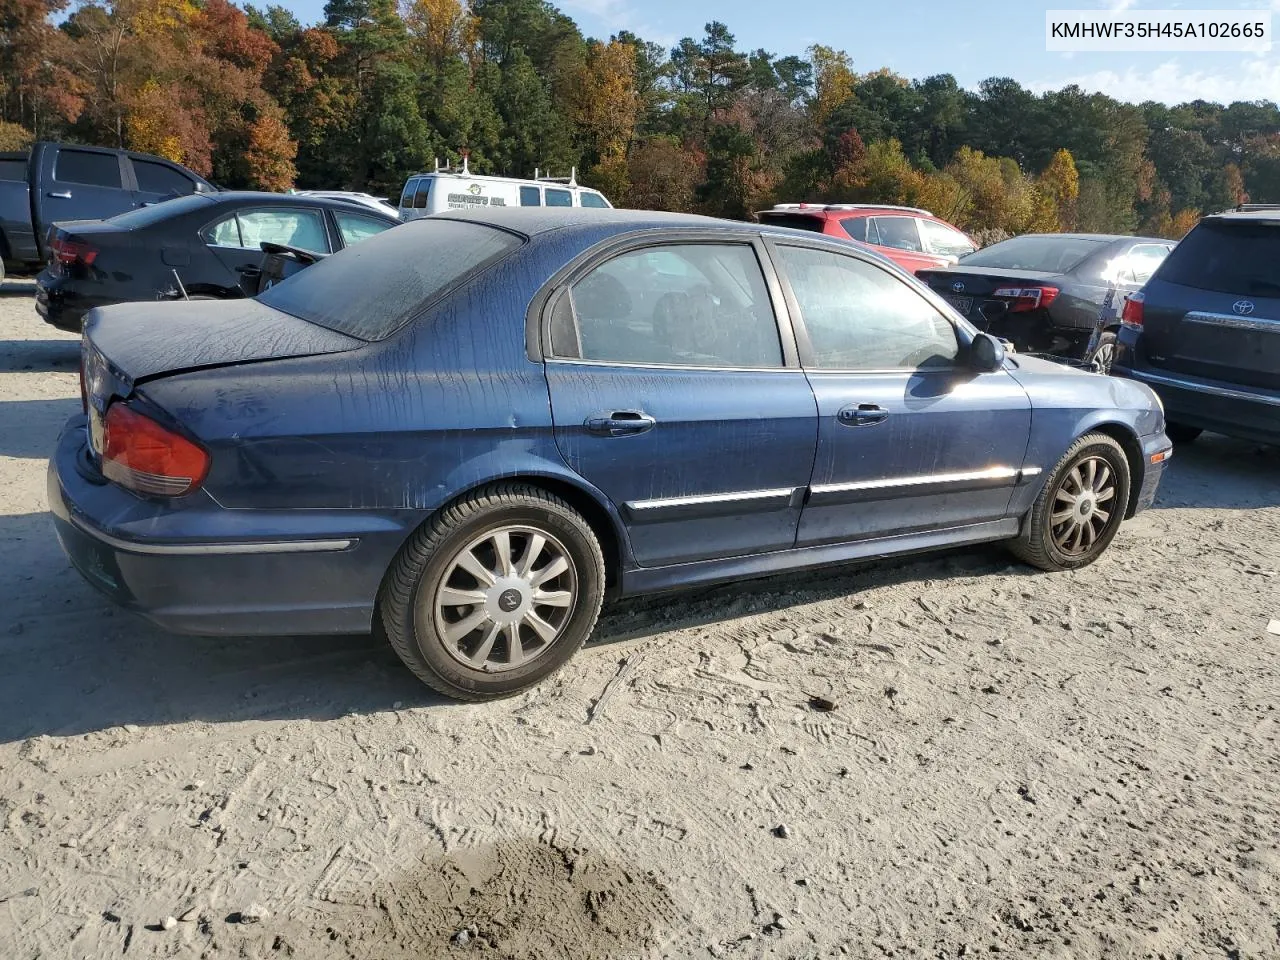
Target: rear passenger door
(157,182)
(675,392)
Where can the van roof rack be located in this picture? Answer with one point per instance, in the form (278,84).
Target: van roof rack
(1255,207)
(571,180)
(820,207)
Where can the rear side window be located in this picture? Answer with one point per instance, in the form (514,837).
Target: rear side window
(691,305)
(592,200)
(855,227)
(406,198)
(559,198)
(1227,256)
(372,289)
(84,166)
(420,194)
(158,178)
(13,169)
(900,233)
(530,196)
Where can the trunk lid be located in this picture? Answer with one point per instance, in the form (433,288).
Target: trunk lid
(127,344)
(1212,309)
(966,290)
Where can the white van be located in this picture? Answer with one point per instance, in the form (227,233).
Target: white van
(459,189)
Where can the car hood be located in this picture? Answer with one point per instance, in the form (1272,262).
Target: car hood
(142,341)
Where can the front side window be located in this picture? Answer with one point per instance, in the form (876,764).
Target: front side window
(689,305)
(944,241)
(559,198)
(860,317)
(87,167)
(900,233)
(353,228)
(530,196)
(593,200)
(1144,258)
(164,180)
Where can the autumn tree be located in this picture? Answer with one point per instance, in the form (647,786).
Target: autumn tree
(1059,185)
(833,82)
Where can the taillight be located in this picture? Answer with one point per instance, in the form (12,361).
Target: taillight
(1027,298)
(84,390)
(70,252)
(1131,315)
(141,455)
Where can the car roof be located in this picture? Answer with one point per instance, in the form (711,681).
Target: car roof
(532,221)
(1096,237)
(262,196)
(1247,216)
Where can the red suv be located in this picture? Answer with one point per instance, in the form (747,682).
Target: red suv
(912,238)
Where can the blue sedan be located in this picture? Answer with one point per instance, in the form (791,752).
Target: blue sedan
(467,432)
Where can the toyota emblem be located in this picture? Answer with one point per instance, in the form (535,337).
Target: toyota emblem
(1243,307)
(958,287)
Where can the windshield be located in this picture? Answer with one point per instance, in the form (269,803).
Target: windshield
(1039,253)
(154,213)
(1227,257)
(372,289)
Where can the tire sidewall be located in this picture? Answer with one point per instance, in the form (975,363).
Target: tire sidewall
(1119,464)
(580,543)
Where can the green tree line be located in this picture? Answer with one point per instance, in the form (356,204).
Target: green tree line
(253,98)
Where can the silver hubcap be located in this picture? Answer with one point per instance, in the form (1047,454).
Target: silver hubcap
(1082,506)
(505,598)
(1104,357)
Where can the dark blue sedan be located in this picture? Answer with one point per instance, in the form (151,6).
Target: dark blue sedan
(467,432)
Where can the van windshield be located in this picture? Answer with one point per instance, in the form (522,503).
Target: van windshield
(372,289)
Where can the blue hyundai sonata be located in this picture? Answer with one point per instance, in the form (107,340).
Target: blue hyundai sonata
(465,433)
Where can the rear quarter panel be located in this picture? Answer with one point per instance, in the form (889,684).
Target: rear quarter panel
(403,425)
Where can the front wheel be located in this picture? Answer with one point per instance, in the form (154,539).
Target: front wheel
(1077,514)
(494,593)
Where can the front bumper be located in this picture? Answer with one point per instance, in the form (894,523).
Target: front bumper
(305,572)
(1236,411)
(1157,448)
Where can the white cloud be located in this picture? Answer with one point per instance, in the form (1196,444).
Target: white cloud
(1119,6)
(616,15)
(1255,79)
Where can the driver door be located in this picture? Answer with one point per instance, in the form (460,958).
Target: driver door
(910,438)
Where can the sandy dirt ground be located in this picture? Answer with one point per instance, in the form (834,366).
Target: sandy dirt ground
(1017,764)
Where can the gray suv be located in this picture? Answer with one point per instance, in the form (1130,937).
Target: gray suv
(1204,332)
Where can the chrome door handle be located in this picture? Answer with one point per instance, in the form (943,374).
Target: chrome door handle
(621,423)
(862,415)
(59,194)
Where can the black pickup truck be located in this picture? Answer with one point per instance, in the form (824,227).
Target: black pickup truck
(61,181)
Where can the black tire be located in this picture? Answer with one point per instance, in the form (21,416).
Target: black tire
(1040,543)
(1104,353)
(409,609)
(1181,433)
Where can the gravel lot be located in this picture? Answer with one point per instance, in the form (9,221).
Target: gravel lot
(1080,765)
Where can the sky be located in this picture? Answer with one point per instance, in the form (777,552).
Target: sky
(972,39)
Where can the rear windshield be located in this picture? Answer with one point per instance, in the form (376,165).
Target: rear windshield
(145,216)
(1227,257)
(372,289)
(797,221)
(1045,254)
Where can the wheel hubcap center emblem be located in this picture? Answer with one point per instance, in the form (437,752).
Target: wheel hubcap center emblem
(508,600)
(1086,508)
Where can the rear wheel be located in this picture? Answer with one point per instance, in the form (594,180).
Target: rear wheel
(1083,503)
(1181,433)
(494,593)
(1104,354)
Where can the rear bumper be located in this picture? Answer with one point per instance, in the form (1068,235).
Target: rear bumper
(1211,405)
(186,575)
(59,307)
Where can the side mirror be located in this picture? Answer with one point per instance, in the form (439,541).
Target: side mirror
(986,353)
